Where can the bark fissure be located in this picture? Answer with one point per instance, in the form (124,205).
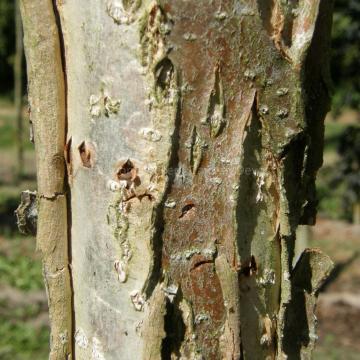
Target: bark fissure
(67,171)
(174,329)
(156,241)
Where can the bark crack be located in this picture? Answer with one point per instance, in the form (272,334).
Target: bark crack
(68,170)
(154,276)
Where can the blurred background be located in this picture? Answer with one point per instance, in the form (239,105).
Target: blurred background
(24,329)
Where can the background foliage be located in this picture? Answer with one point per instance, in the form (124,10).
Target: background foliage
(345,61)
(23,322)
(7,45)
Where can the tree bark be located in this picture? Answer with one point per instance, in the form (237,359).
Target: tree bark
(193,132)
(47,103)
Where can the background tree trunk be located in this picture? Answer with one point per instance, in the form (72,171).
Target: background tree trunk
(356,213)
(18,88)
(303,239)
(193,134)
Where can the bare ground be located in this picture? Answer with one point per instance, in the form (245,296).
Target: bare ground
(338,310)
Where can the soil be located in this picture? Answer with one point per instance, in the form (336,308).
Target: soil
(338,309)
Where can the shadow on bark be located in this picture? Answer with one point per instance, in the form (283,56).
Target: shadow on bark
(296,329)
(157,241)
(307,278)
(174,329)
(247,213)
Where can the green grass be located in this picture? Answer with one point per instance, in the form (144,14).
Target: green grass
(333,131)
(20,268)
(330,350)
(19,341)
(7,131)
(6,100)
(8,127)
(9,197)
(330,197)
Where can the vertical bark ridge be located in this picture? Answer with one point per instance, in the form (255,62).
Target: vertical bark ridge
(165,100)
(48,111)
(165,104)
(301,160)
(68,174)
(257,228)
(165,107)
(156,241)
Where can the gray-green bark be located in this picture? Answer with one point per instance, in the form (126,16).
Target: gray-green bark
(193,137)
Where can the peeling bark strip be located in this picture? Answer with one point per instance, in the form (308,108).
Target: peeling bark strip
(194,134)
(299,333)
(47,102)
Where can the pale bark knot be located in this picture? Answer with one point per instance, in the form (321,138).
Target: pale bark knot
(120,268)
(103,104)
(97,349)
(80,339)
(137,299)
(197,146)
(64,338)
(199,318)
(171,204)
(122,11)
(170,292)
(150,134)
(215,117)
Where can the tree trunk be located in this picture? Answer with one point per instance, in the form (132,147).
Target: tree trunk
(18,62)
(303,239)
(356,213)
(193,131)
